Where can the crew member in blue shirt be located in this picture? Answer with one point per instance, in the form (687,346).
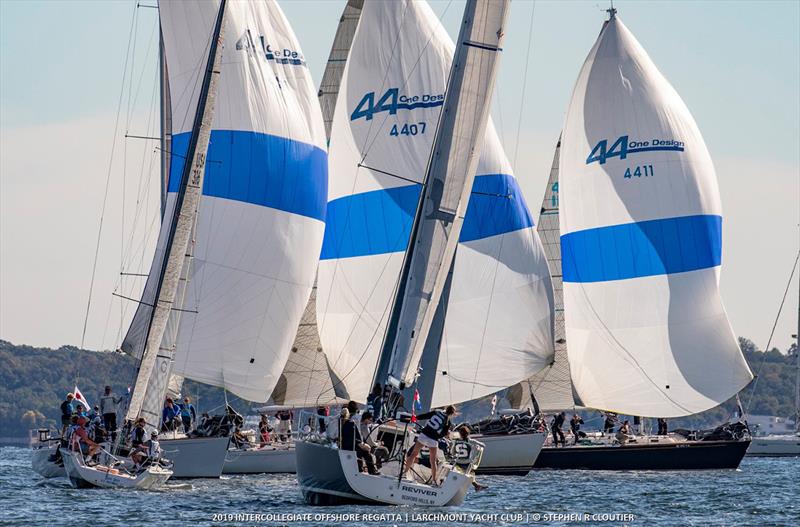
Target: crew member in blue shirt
(169,415)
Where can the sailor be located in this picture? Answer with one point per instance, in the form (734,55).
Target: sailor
(188,415)
(169,415)
(284,430)
(463,452)
(153,447)
(375,402)
(81,442)
(624,432)
(437,427)
(108,407)
(351,440)
(323,412)
(263,430)
(67,409)
(377,449)
(138,450)
(608,424)
(662,427)
(575,427)
(555,428)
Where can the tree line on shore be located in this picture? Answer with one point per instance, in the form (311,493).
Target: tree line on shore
(34,381)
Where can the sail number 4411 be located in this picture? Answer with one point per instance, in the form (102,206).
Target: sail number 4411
(639,171)
(407,129)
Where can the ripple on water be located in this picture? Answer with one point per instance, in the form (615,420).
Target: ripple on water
(763,492)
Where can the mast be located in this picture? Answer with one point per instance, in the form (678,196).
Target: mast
(183,219)
(448,183)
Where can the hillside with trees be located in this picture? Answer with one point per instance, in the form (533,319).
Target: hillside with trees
(34,381)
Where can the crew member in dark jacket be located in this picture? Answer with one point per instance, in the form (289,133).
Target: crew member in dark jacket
(555,428)
(351,440)
(437,427)
(575,426)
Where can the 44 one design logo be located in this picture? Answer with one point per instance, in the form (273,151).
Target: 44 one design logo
(280,56)
(624,146)
(391,101)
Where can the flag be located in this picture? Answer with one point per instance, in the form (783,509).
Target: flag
(79,398)
(416,406)
(494,403)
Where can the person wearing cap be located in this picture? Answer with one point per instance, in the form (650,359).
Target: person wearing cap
(437,427)
(153,447)
(108,408)
(81,442)
(67,409)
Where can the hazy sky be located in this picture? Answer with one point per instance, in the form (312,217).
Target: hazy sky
(736,65)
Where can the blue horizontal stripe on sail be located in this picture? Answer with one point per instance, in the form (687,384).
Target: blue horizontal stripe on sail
(379,222)
(260,169)
(645,248)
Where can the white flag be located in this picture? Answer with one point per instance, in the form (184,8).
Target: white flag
(79,398)
(494,403)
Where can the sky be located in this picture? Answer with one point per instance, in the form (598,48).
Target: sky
(64,107)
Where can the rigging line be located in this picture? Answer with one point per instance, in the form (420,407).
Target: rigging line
(361,165)
(108,182)
(772,333)
(524,81)
(151,305)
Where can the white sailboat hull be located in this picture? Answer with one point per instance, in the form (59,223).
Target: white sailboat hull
(512,454)
(775,446)
(196,457)
(267,460)
(329,476)
(82,476)
(43,463)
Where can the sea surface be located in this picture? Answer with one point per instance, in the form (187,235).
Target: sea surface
(763,492)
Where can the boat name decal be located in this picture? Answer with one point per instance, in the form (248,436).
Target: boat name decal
(391,101)
(276,54)
(624,146)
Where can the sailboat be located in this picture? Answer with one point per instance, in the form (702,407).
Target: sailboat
(236,264)
(381,298)
(640,238)
(783,445)
(305,381)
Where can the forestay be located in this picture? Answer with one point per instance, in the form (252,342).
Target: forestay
(498,329)
(262,213)
(641,240)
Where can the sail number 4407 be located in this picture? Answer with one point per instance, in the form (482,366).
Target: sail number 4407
(407,129)
(639,171)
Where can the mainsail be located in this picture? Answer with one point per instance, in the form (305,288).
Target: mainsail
(258,236)
(498,327)
(641,238)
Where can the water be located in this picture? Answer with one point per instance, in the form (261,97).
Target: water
(763,492)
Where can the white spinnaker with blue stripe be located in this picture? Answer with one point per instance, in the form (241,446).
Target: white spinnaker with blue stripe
(499,322)
(261,218)
(641,219)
